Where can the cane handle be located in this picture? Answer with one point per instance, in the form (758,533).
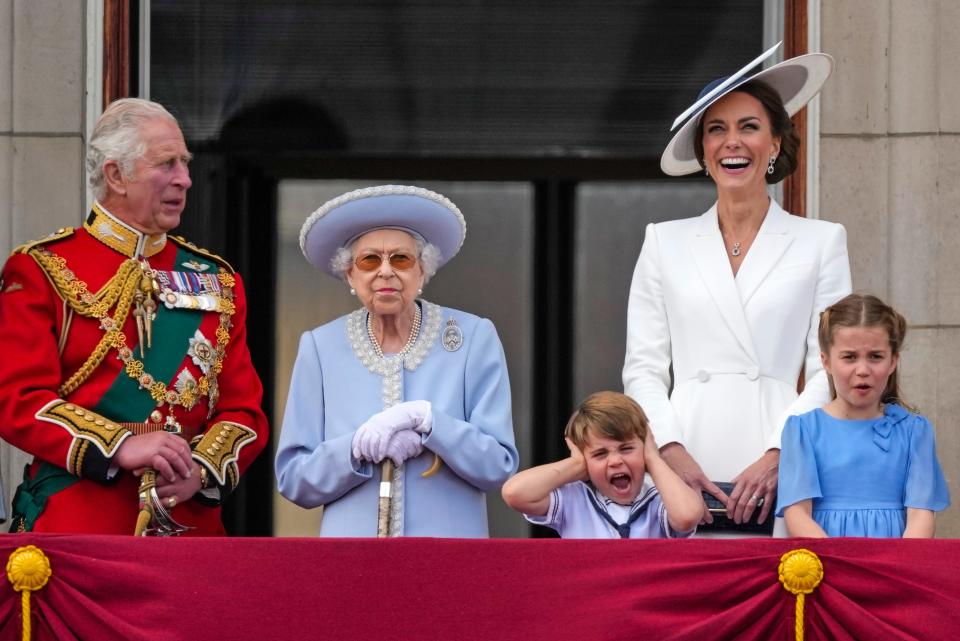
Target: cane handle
(434,467)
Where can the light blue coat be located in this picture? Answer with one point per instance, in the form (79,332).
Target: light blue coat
(332,393)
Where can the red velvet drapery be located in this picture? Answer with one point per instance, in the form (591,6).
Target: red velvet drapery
(106,587)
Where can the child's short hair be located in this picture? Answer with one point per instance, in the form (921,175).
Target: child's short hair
(609,414)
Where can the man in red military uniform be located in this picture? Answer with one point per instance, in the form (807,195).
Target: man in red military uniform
(125,352)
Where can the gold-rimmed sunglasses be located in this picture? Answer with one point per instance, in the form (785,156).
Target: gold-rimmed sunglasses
(370,261)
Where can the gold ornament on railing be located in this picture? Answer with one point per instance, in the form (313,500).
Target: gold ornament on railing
(28,569)
(800,572)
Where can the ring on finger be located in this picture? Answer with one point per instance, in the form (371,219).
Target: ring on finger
(760,501)
(754,499)
(171,502)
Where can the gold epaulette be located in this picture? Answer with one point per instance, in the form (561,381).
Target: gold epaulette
(183,242)
(63,232)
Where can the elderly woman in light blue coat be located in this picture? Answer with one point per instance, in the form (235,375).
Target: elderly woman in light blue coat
(400,379)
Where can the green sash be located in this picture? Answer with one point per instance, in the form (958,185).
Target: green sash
(172,330)
(32,495)
(124,401)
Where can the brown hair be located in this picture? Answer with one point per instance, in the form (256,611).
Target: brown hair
(609,414)
(864,310)
(780,125)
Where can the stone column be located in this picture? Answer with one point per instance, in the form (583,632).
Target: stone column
(42,120)
(890,172)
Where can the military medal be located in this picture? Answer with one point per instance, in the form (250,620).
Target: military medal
(187,290)
(186,386)
(202,352)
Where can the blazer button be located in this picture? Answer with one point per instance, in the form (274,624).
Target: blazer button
(753,373)
(703,375)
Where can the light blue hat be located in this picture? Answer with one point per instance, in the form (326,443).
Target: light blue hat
(425,214)
(796,81)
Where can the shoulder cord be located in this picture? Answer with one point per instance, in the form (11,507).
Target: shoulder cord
(119,291)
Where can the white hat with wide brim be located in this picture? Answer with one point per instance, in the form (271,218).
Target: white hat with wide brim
(425,214)
(796,80)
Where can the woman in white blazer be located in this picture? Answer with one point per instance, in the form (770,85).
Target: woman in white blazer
(730,300)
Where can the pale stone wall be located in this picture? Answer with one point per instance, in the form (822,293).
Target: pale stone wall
(42,111)
(890,172)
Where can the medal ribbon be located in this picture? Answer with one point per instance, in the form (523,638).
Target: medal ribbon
(125,401)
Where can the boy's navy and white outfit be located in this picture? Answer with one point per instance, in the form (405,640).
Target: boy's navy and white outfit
(578,511)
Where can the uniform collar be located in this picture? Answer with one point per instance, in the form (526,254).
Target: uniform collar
(121,237)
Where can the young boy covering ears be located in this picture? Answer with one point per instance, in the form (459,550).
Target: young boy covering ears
(599,491)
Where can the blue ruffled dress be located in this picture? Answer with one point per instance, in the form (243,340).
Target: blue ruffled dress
(861,474)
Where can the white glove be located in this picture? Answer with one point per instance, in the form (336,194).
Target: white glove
(371,439)
(404,444)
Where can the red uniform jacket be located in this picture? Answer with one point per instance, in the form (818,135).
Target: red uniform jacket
(66,390)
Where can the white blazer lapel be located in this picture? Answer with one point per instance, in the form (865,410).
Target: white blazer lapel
(711,260)
(772,241)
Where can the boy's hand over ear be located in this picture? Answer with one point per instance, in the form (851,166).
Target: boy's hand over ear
(576,455)
(650,450)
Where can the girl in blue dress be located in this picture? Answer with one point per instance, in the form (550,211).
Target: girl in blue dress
(864,464)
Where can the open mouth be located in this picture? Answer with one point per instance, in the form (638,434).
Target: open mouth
(620,482)
(735,163)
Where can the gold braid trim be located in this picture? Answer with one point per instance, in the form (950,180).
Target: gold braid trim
(83,424)
(77,454)
(74,291)
(119,292)
(220,448)
(110,339)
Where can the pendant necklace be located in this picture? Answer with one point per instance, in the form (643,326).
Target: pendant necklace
(737,250)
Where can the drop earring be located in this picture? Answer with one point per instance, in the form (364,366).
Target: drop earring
(420,292)
(353,292)
(773,159)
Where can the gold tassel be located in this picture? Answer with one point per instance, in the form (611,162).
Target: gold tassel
(28,569)
(800,573)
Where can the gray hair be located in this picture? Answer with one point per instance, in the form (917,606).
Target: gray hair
(116,136)
(428,254)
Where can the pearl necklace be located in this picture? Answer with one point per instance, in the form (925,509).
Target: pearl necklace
(414,333)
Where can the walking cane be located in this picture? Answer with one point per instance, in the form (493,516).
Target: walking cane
(386,492)
(386,499)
